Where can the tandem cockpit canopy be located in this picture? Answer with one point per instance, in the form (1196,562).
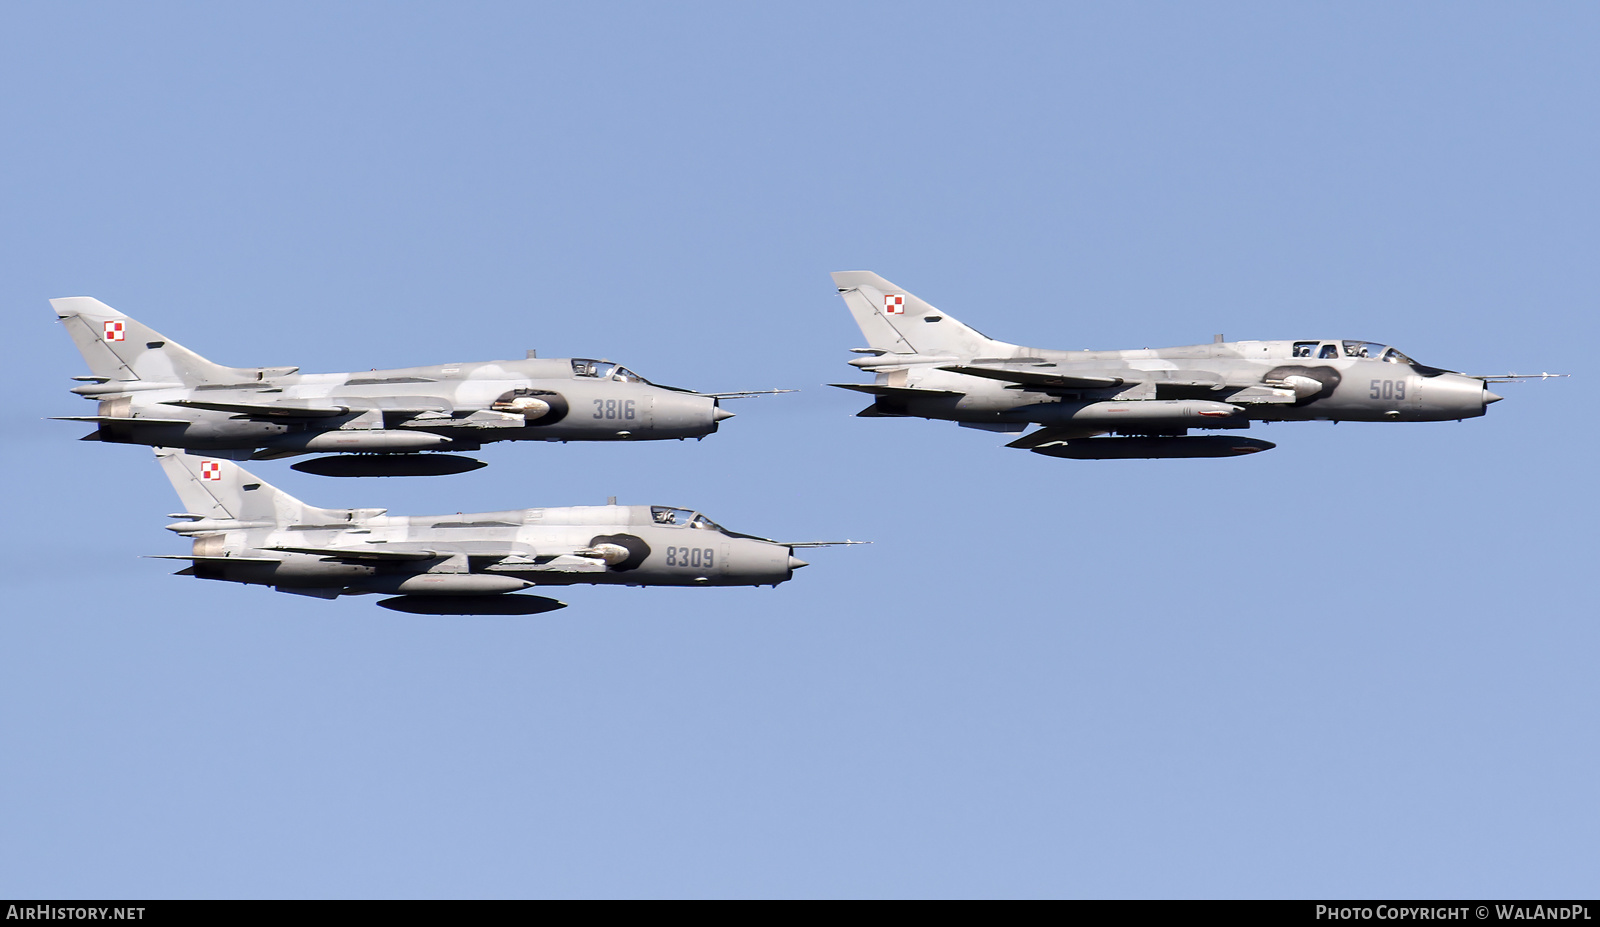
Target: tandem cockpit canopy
(604,370)
(1366,350)
(682,518)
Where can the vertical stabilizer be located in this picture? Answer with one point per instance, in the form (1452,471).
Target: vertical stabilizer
(898,322)
(118,347)
(221,489)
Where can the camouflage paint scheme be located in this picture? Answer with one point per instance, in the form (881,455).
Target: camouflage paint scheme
(929,365)
(248,531)
(154,391)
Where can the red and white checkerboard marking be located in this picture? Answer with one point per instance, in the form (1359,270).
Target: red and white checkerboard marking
(894,304)
(114,331)
(210,470)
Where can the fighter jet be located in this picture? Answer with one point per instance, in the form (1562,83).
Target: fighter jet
(154,391)
(248,531)
(929,365)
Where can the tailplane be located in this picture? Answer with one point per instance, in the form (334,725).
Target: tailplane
(222,490)
(895,321)
(118,347)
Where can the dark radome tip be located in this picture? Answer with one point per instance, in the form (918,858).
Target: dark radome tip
(1490,399)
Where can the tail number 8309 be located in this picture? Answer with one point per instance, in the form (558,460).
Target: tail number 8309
(698,557)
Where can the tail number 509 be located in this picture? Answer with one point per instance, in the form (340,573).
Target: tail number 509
(1387,389)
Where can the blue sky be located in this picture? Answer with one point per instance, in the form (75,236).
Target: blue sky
(1360,665)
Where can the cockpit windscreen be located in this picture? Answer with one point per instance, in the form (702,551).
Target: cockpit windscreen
(1361,350)
(669,515)
(1371,350)
(604,370)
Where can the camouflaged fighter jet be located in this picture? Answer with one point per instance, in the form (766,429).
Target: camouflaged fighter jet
(929,365)
(247,531)
(154,391)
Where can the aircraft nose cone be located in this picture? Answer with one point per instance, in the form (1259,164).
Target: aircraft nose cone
(796,563)
(1490,398)
(719,414)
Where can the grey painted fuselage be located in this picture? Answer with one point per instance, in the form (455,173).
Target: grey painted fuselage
(247,531)
(153,391)
(928,364)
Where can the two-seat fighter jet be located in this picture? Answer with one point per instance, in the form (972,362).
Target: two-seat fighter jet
(929,365)
(154,391)
(248,531)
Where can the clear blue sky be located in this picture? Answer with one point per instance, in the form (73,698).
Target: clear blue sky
(1359,665)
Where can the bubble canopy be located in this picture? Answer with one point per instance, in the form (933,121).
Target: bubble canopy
(1357,350)
(1372,350)
(682,518)
(604,370)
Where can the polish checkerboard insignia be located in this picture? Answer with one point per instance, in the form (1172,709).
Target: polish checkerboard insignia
(210,470)
(114,331)
(894,304)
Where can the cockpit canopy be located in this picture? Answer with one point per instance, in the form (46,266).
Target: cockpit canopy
(604,370)
(1366,350)
(682,518)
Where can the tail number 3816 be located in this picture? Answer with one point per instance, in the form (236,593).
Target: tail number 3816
(1387,389)
(614,408)
(700,557)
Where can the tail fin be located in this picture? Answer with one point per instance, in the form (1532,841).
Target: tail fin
(897,322)
(223,490)
(120,348)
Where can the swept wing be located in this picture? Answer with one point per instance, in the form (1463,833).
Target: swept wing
(1037,377)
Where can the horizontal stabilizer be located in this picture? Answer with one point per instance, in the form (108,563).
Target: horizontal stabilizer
(350,553)
(124,419)
(199,559)
(262,409)
(898,392)
(1037,377)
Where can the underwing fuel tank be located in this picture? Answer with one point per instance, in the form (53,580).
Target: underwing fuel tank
(472,604)
(447,584)
(388,465)
(1128,448)
(1182,413)
(376,439)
